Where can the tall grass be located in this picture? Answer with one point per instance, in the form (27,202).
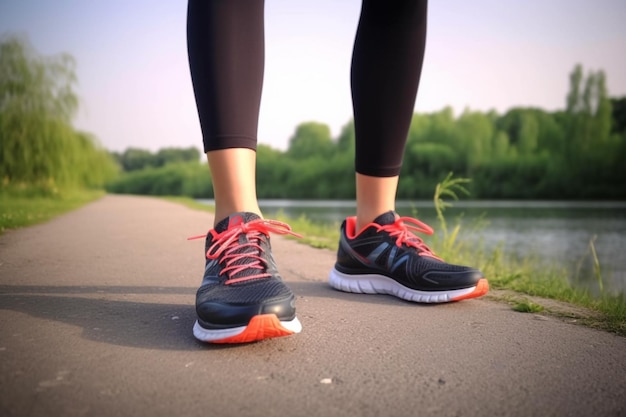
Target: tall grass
(528,275)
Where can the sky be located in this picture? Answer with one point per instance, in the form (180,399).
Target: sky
(135,89)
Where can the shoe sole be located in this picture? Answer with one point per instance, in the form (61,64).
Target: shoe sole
(263,326)
(380,284)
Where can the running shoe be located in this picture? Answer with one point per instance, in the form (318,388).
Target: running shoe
(387,258)
(242,297)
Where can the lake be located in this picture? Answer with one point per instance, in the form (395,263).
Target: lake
(554,231)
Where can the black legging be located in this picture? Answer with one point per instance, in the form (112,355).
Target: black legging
(225,40)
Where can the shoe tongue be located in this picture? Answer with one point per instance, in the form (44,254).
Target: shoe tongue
(234,220)
(386,218)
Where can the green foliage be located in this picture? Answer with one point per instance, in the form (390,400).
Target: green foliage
(190,179)
(36,85)
(134,159)
(476,133)
(38,145)
(346,139)
(310,139)
(526,153)
(619,115)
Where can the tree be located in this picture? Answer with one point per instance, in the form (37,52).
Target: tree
(135,159)
(573,99)
(171,155)
(528,134)
(346,140)
(590,112)
(619,115)
(37,85)
(311,139)
(476,129)
(500,145)
(38,144)
(603,111)
(522,128)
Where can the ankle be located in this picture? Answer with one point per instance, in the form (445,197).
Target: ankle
(364,219)
(221,214)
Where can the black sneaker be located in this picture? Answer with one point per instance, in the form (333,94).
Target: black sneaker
(242,297)
(386,258)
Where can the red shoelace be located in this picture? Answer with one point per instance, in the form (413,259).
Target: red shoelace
(402,229)
(226,245)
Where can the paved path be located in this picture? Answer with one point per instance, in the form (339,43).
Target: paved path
(96,310)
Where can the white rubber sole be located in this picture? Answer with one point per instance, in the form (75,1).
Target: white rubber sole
(380,284)
(267,329)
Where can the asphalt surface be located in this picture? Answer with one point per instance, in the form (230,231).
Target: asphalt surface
(97,307)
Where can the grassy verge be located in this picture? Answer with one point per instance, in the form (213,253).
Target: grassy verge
(528,285)
(20,208)
(543,283)
(532,286)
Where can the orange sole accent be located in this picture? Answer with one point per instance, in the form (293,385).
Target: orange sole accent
(482,286)
(261,327)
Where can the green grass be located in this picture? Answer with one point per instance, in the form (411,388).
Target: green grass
(540,280)
(527,306)
(26,207)
(527,276)
(317,235)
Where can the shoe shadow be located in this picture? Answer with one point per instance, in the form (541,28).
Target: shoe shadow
(150,325)
(141,324)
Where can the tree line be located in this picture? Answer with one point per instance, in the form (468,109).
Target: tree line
(133,159)
(574,153)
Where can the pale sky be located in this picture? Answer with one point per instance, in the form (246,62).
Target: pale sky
(135,87)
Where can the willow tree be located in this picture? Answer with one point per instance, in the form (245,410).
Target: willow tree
(38,144)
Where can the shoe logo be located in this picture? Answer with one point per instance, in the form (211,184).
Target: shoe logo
(235,220)
(393,263)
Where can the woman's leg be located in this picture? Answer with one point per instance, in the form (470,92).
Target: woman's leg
(226,56)
(242,297)
(386,67)
(378,253)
